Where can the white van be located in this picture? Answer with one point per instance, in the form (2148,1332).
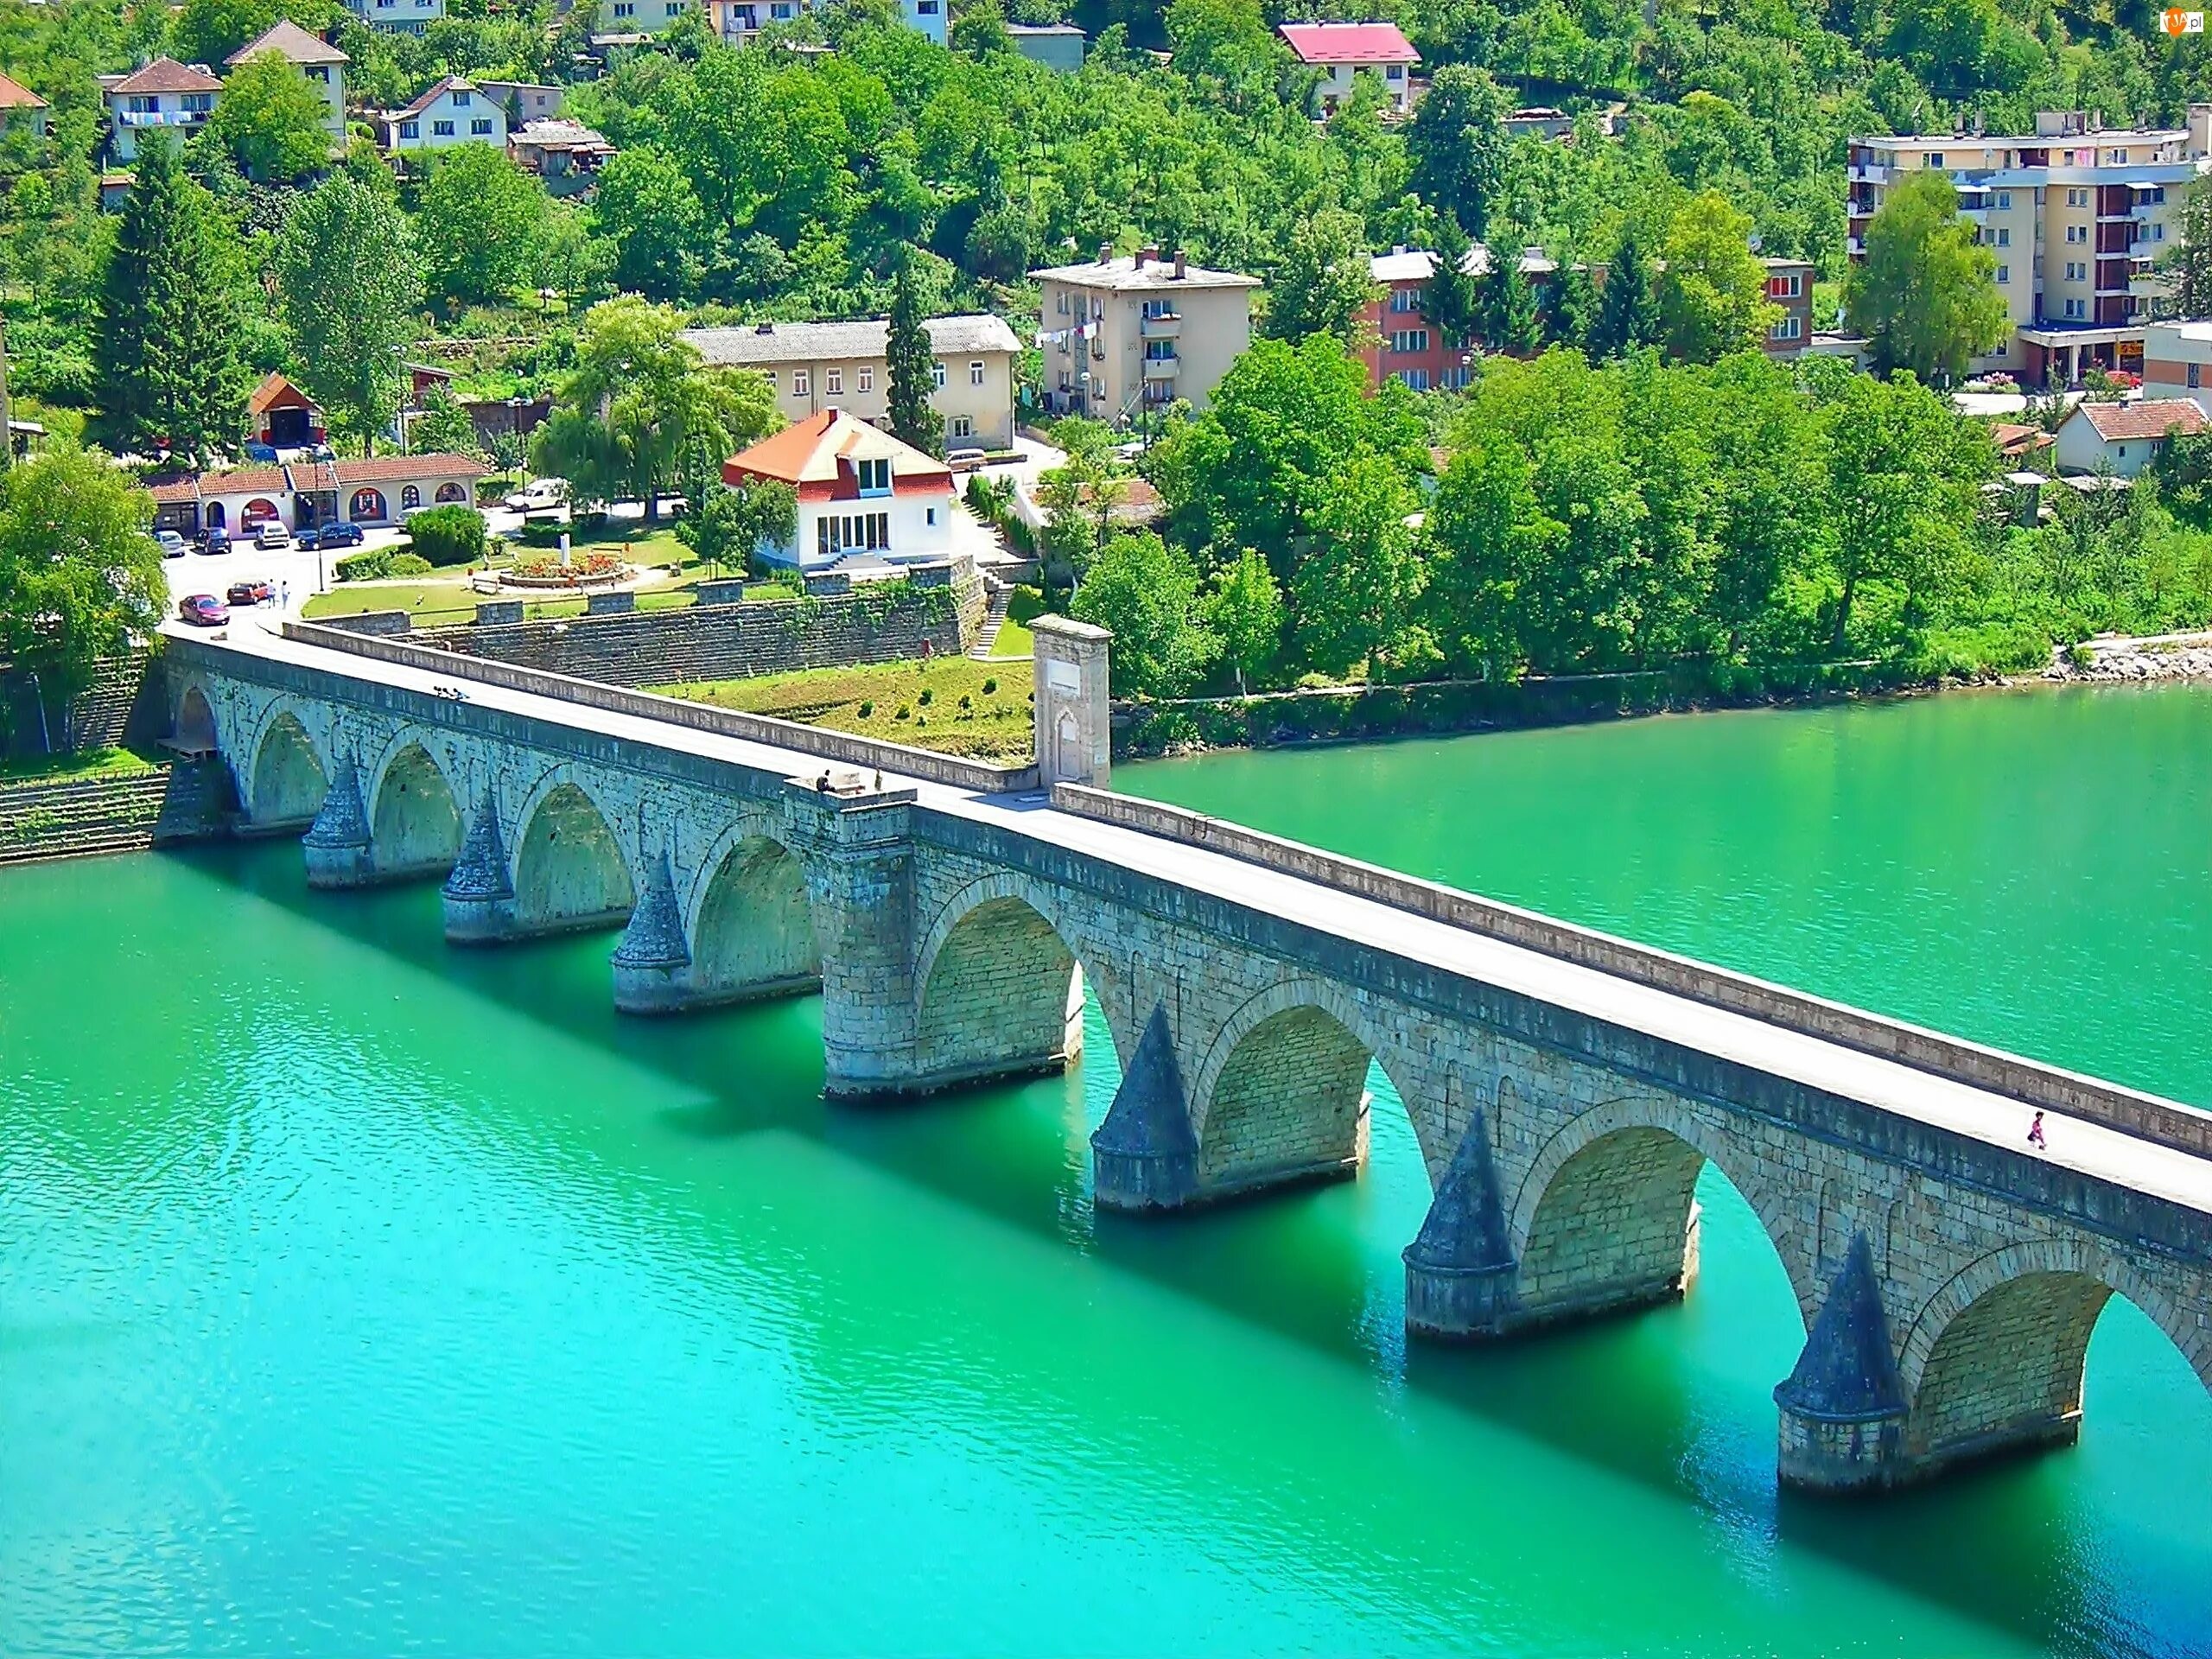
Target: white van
(540,495)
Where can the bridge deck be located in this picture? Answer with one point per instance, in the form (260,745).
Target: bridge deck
(1887,1085)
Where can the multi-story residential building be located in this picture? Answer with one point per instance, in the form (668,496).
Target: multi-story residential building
(1341,51)
(2076,214)
(864,497)
(2177,362)
(819,366)
(165,96)
(452,111)
(524,100)
(21,109)
(1122,336)
(1789,285)
(398,16)
(739,20)
(736,20)
(322,65)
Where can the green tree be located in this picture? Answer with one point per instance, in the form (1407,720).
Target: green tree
(1713,294)
(1227,42)
(1245,612)
(1925,297)
(209,31)
(1628,311)
(274,120)
(1325,282)
(732,528)
(645,206)
(1148,592)
(1354,591)
(912,368)
(1511,320)
(442,427)
(640,409)
(1458,145)
(79,577)
(168,350)
(2187,266)
(349,284)
(1452,298)
(482,224)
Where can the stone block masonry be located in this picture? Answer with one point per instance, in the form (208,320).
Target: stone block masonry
(874,623)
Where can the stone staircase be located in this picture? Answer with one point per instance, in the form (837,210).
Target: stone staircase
(987,632)
(84,817)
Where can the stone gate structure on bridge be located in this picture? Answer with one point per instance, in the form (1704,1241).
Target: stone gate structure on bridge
(1949,1283)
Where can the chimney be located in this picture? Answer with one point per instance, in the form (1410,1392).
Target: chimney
(1149,254)
(1105,253)
(1181,265)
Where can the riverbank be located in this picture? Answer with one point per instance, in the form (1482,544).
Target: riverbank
(2119,660)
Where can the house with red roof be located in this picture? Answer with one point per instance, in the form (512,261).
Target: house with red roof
(1341,51)
(282,416)
(2123,436)
(165,96)
(867,501)
(21,108)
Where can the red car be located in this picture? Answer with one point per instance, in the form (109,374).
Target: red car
(252,590)
(204,609)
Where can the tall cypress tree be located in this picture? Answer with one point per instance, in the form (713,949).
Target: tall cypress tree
(1510,320)
(1628,310)
(168,349)
(912,370)
(1452,300)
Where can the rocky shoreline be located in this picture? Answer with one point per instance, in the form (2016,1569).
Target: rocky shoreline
(2131,662)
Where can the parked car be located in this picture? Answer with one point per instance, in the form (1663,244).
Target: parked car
(323,535)
(170,543)
(272,535)
(203,610)
(965,461)
(215,540)
(250,590)
(540,495)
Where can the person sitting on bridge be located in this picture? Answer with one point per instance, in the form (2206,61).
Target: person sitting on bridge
(822,784)
(2035,1133)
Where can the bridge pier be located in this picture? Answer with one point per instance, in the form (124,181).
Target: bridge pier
(478,896)
(862,881)
(1843,1408)
(1144,1155)
(338,847)
(1461,1279)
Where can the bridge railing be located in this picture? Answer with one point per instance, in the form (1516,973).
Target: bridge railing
(2147,1116)
(848,748)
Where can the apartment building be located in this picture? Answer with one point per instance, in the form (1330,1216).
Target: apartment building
(320,64)
(736,20)
(1789,285)
(1123,336)
(398,16)
(165,96)
(2076,214)
(815,366)
(451,111)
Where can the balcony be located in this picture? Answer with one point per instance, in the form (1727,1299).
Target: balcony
(2144,248)
(1166,326)
(1162,368)
(1854,245)
(1867,173)
(161,117)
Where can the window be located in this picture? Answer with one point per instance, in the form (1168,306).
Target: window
(197,103)
(769,375)
(319,73)
(2003,200)
(2076,270)
(975,373)
(2116,158)
(929,517)
(802,383)
(1786,288)
(1064,302)
(867,378)
(874,475)
(960,426)
(833,381)
(2003,236)
(460,98)
(1414,380)
(410,496)
(781,11)
(1403,300)
(835,532)
(1790,327)
(2075,198)
(1160,351)
(1934,159)
(441,129)
(675,8)
(2196,372)
(1394,72)
(2077,233)
(927,8)
(936,375)
(1098,308)
(1407,340)
(625,8)
(411,129)
(2004,275)
(2076,309)
(481,127)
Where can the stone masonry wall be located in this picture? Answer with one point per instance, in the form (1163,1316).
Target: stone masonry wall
(729,642)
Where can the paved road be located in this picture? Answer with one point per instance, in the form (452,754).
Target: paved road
(1887,1085)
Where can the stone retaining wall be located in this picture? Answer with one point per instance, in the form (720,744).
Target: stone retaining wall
(2147,1116)
(873,624)
(107,715)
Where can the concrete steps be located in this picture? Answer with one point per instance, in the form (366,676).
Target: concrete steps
(987,633)
(83,817)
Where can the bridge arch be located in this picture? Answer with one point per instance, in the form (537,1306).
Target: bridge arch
(998,983)
(750,923)
(1604,1216)
(193,725)
(1997,1357)
(1282,1094)
(570,871)
(414,817)
(289,777)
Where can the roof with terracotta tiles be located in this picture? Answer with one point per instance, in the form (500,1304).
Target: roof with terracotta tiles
(13,95)
(167,75)
(291,42)
(2152,418)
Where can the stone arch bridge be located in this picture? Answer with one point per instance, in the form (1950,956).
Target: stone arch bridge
(1947,1275)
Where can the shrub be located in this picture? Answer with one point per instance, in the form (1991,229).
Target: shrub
(371,566)
(966,703)
(867,709)
(926,697)
(990,688)
(904,713)
(410,564)
(451,535)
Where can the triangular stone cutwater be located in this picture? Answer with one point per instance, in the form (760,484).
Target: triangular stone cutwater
(1144,1154)
(481,870)
(341,821)
(654,938)
(1848,1372)
(1466,1230)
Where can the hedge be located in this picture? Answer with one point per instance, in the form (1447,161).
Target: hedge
(452,535)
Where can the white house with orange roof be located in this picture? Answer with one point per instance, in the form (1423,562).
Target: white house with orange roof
(165,96)
(21,109)
(1341,51)
(321,65)
(453,112)
(864,496)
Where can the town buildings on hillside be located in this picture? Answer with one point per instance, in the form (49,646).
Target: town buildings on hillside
(451,111)
(1121,337)
(320,64)
(2076,214)
(2122,438)
(845,365)
(163,96)
(1341,51)
(619,23)
(865,499)
(370,491)
(399,16)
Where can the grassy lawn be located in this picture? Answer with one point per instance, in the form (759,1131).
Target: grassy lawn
(1013,639)
(71,768)
(995,725)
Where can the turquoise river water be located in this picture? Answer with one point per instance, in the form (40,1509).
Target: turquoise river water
(360,1296)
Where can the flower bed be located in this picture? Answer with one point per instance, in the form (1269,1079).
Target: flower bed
(586,566)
